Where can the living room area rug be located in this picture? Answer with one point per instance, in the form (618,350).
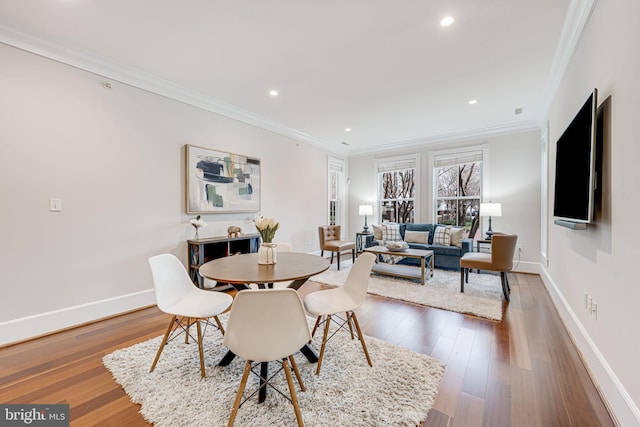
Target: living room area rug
(398,390)
(482,296)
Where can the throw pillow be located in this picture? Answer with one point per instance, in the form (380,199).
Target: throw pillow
(391,232)
(442,236)
(416,236)
(377,232)
(457,236)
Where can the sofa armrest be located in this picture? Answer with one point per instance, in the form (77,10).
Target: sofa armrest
(467,246)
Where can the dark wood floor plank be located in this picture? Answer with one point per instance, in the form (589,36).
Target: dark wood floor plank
(523,371)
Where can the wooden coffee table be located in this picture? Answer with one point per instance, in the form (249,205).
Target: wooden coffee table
(405,271)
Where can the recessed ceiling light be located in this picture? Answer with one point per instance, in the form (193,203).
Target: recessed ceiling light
(344,143)
(347,129)
(519,110)
(446,21)
(273,92)
(473,101)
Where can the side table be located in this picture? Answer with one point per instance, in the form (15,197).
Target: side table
(361,241)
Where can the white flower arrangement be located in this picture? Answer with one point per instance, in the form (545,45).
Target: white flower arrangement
(198,222)
(267,227)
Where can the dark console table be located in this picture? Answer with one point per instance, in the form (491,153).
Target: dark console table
(207,249)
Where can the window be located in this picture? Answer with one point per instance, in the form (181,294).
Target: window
(397,189)
(336,191)
(458,181)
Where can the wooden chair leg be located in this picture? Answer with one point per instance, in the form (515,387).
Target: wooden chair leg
(350,327)
(324,343)
(338,260)
(294,365)
(315,327)
(503,279)
(243,383)
(361,337)
(219,324)
(200,350)
(163,343)
(462,279)
(292,391)
(331,257)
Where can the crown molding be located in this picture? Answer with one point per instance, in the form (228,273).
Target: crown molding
(150,83)
(450,138)
(578,15)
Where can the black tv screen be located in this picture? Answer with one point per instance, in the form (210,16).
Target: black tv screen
(575,166)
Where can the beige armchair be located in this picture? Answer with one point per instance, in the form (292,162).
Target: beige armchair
(330,241)
(503,247)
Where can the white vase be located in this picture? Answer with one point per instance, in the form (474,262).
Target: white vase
(267,253)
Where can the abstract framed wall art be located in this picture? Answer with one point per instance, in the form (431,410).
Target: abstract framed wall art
(221,182)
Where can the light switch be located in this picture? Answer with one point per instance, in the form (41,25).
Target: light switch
(55,205)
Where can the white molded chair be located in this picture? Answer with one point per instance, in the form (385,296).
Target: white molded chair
(264,326)
(177,295)
(345,298)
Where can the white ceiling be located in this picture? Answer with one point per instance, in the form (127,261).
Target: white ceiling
(386,69)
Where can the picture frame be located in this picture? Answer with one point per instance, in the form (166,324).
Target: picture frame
(221,182)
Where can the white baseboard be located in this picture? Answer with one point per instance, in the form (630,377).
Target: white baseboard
(621,406)
(33,326)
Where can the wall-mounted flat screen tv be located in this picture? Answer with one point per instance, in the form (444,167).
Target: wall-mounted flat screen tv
(576,167)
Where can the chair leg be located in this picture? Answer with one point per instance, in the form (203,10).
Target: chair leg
(294,365)
(292,391)
(186,332)
(350,326)
(200,350)
(338,260)
(503,279)
(219,324)
(321,252)
(163,343)
(462,279)
(243,383)
(331,258)
(315,327)
(361,337)
(324,343)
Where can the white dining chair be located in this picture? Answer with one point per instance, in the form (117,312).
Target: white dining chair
(345,298)
(178,296)
(265,326)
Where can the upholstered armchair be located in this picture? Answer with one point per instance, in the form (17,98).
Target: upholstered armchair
(503,247)
(330,241)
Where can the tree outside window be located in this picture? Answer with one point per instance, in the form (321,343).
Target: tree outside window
(458,194)
(397,195)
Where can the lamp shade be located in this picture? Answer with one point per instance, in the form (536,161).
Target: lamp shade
(365,210)
(490,209)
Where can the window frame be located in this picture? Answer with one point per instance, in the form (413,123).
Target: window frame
(395,164)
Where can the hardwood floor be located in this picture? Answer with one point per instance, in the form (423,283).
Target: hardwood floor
(523,371)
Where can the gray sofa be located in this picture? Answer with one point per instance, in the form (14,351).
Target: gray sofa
(445,257)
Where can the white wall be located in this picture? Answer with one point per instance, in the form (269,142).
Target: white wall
(512,177)
(116,159)
(601,260)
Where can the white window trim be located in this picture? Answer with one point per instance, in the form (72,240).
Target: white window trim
(334,163)
(461,152)
(399,161)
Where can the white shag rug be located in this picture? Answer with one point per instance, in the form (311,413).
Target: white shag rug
(482,296)
(398,390)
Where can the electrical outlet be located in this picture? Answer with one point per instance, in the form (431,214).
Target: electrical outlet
(55,205)
(594,309)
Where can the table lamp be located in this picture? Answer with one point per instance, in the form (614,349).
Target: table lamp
(364,210)
(490,209)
